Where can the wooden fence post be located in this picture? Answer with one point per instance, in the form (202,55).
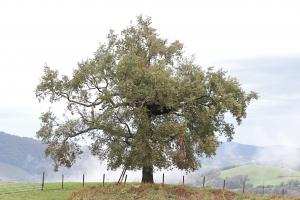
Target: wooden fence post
(224,184)
(244,187)
(43,181)
(125,179)
(203,184)
(62,181)
(83,180)
(122,176)
(163,178)
(103,180)
(183,180)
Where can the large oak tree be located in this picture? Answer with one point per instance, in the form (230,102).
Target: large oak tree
(142,103)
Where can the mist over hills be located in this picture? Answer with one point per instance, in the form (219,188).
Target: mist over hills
(23,159)
(24,153)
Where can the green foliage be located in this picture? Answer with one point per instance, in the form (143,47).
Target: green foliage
(142,103)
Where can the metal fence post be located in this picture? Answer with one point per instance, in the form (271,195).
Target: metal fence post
(62,181)
(125,179)
(83,180)
(43,181)
(203,183)
(103,180)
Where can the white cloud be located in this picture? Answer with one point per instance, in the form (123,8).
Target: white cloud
(62,33)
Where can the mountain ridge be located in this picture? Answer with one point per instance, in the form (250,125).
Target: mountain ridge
(27,155)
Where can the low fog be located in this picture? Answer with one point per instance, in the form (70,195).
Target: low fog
(228,155)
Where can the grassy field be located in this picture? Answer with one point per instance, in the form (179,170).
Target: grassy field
(94,191)
(52,191)
(260,174)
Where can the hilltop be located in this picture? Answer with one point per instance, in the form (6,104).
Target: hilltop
(143,192)
(262,174)
(23,159)
(94,191)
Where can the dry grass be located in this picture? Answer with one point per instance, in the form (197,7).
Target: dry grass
(159,192)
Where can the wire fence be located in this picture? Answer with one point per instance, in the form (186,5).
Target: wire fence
(240,186)
(16,187)
(10,188)
(54,183)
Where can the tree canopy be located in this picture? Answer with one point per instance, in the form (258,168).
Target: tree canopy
(143,103)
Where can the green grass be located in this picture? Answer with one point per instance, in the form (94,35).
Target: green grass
(261,174)
(52,191)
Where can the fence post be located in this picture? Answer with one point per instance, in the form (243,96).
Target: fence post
(244,187)
(224,184)
(43,181)
(83,180)
(103,180)
(125,179)
(183,180)
(203,184)
(263,189)
(163,178)
(62,181)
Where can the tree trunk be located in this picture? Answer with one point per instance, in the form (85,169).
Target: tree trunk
(147,175)
(147,161)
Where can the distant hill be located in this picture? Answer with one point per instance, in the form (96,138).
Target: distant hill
(22,152)
(23,158)
(230,154)
(12,173)
(262,174)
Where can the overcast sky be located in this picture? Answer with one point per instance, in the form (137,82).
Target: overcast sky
(258,41)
